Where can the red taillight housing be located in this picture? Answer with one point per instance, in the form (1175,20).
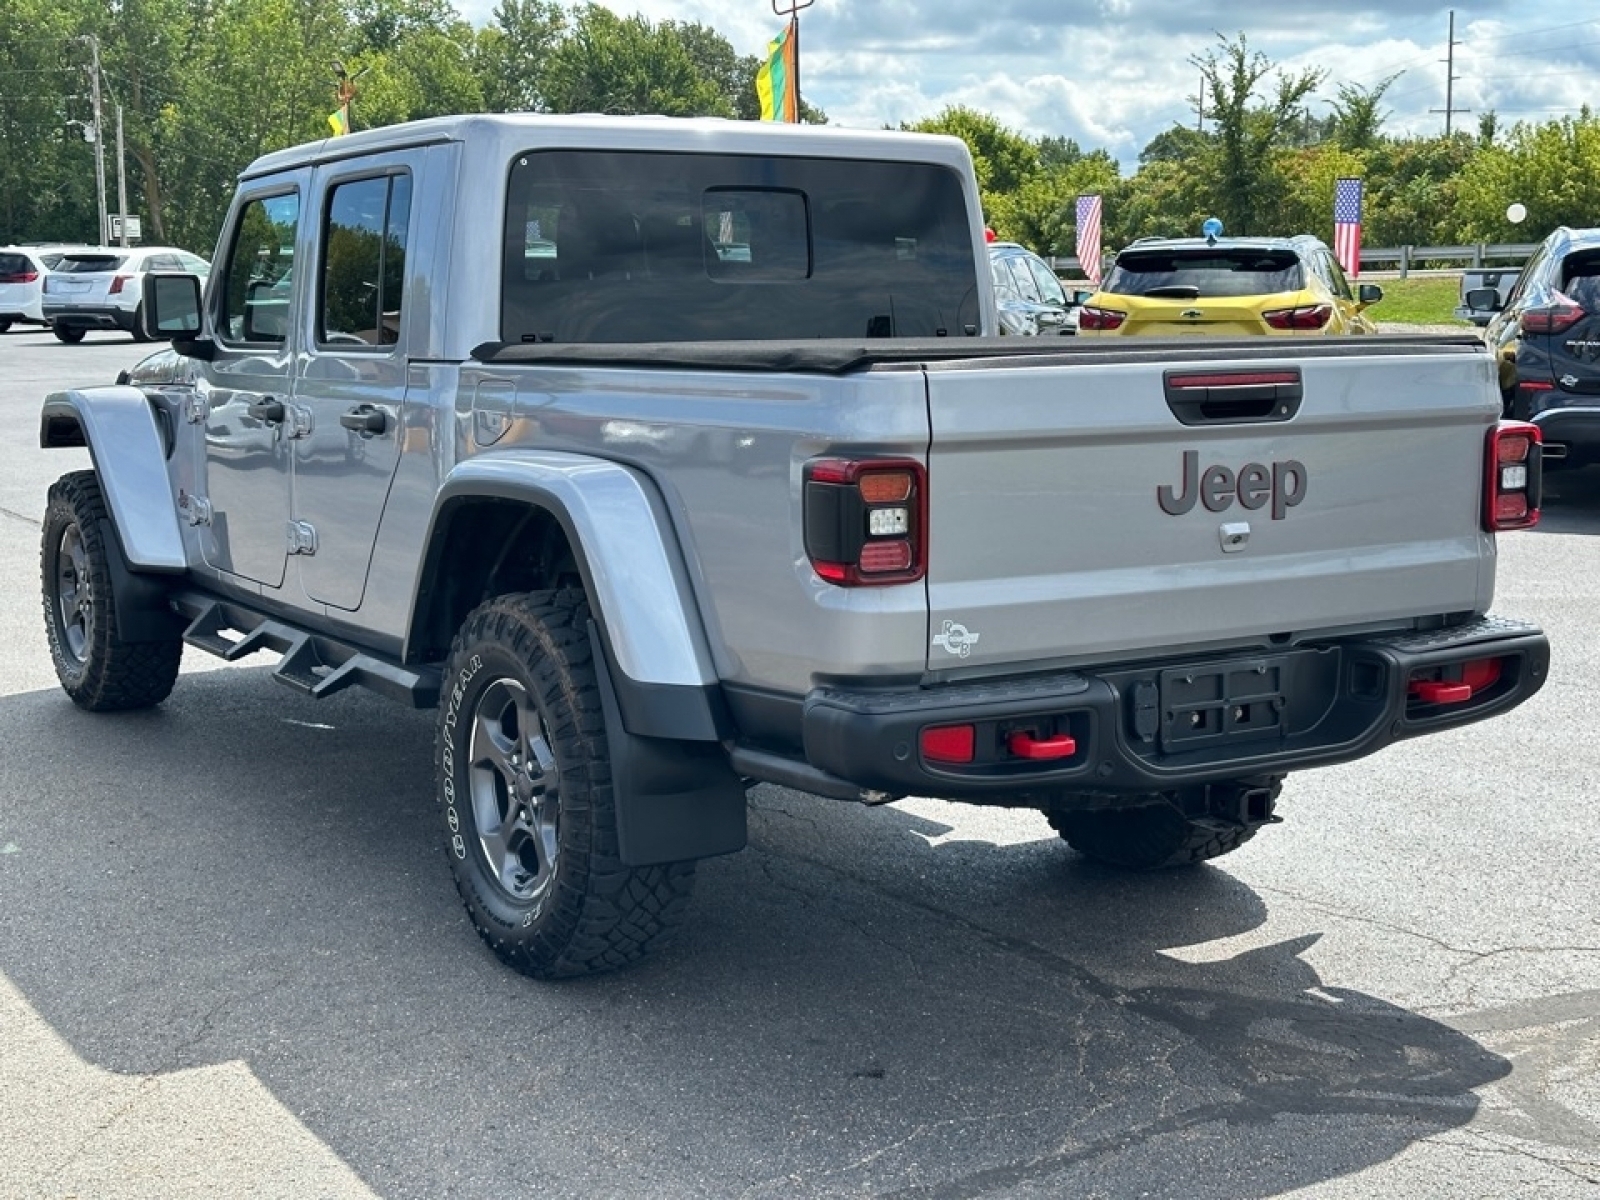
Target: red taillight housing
(20,277)
(1513,477)
(1552,318)
(1100,318)
(1313,316)
(866,520)
(118,282)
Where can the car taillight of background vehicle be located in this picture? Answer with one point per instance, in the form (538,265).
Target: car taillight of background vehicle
(1100,318)
(1513,478)
(118,282)
(1313,317)
(865,520)
(1553,318)
(20,277)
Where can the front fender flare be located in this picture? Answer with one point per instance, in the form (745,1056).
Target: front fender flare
(125,444)
(632,568)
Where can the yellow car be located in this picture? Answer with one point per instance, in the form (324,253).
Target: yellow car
(1232,287)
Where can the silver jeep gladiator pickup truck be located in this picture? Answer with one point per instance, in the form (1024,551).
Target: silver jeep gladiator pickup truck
(665,457)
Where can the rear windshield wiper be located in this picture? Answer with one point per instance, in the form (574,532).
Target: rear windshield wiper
(1174,291)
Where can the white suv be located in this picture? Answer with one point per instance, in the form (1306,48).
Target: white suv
(22,272)
(101,287)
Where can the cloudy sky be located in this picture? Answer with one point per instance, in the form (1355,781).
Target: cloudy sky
(1114,73)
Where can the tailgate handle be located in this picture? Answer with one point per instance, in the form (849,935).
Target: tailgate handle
(1234,397)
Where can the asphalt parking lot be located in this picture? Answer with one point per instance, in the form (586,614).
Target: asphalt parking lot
(232,962)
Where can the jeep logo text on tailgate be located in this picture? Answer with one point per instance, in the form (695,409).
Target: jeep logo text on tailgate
(1283,483)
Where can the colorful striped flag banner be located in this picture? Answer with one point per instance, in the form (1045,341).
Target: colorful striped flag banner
(1088,247)
(775,79)
(1347,225)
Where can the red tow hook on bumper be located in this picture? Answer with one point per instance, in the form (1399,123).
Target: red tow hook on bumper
(1475,677)
(1024,745)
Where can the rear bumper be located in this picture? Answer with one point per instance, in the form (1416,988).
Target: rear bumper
(1163,725)
(1574,424)
(85,316)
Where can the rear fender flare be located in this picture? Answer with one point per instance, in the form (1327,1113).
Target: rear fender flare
(633,571)
(129,453)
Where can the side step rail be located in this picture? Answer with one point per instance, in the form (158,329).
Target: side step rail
(312,664)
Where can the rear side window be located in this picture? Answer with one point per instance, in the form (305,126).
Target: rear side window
(88,264)
(638,247)
(1209,271)
(363,269)
(258,281)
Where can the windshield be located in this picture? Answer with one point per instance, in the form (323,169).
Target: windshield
(1206,271)
(604,246)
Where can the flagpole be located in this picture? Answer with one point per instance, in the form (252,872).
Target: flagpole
(792,11)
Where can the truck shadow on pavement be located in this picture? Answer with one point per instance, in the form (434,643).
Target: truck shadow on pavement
(1571,501)
(860,1003)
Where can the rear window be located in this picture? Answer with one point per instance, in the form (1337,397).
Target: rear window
(1209,271)
(15,264)
(640,247)
(86,264)
(1580,280)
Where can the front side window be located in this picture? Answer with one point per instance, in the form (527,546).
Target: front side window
(260,271)
(1050,289)
(621,246)
(363,269)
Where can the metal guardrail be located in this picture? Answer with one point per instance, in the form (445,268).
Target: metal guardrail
(1402,258)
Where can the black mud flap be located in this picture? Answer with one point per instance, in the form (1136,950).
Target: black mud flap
(675,800)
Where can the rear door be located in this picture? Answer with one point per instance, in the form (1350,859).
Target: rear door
(1074,514)
(351,370)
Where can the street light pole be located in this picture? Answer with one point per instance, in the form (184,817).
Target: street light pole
(122,185)
(99,135)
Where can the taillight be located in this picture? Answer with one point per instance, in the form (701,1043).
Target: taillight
(1553,318)
(1313,316)
(865,520)
(20,277)
(1513,479)
(117,282)
(1100,318)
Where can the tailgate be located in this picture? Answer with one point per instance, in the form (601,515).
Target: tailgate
(1074,516)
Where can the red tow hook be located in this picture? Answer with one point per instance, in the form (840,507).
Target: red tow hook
(1024,745)
(1440,691)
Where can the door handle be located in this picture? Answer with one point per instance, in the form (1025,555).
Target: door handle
(267,409)
(364,418)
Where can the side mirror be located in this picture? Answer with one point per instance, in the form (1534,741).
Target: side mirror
(1081,297)
(1369,293)
(171,307)
(1484,299)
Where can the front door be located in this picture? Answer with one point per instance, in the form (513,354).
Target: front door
(246,389)
(351,374)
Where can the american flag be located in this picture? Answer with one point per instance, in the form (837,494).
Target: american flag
(1089,236)
(1347,225)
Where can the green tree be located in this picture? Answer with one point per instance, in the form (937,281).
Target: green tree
(612,64)
(514,52)
(1002,158)
(1553,169)
(1249,130)
(1357,114)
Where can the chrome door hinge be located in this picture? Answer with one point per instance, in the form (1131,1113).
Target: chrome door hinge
(297,422)
(195,509)
(302,537)
(196,409)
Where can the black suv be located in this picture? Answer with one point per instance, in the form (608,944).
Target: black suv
(1547,335)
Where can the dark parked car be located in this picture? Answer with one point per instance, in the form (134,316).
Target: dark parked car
(1029,297)
(1548,337)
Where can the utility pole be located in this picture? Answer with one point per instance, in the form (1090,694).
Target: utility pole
(122,185)
(1200,106)
(99,134)
(1450,76)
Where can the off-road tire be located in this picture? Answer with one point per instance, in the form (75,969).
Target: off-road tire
(1151,836)
(96,667)
(528,807)
(70,334)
